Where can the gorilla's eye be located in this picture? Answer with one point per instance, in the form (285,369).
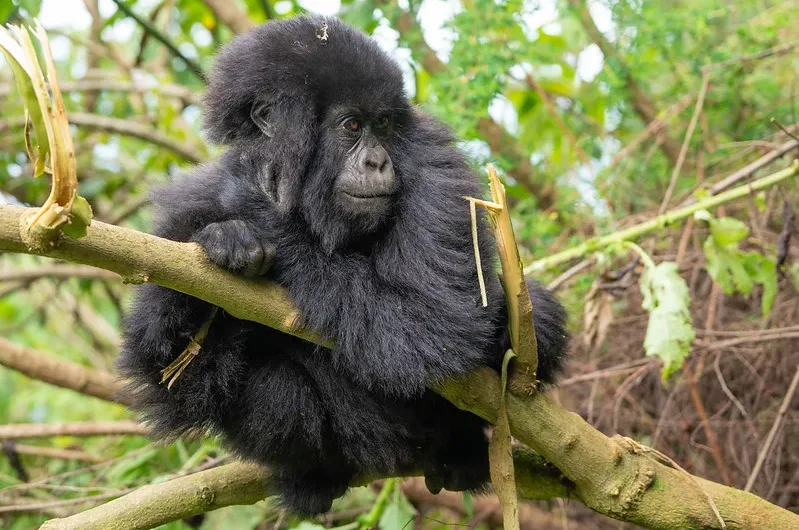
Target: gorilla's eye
(352,125)
(382,123)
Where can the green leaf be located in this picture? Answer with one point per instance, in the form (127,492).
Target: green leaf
(795,276)
(398,515)
(760,201)
(32,7)
(80,217)
(24,78)
(240,518)
(669,333)
(728,231)
(725,266)
(734,270)
(468,505)
(127,468)
(763,270)
(5,10)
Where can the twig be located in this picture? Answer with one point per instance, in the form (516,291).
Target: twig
(476,244)
(370,519)
(129,209)
(13,431)
(763,337)
(60,454)
(700,101)
(59,270)
(696,397)
(558,282)
(75,472)
(749,169)
(746,332)
(531,517)
(186,95)
(653,128)
(171,373)
(126,128)
(726,389)
(621,369)
(775,427)
(136,130)
(776,50)
(41,506)
(160,37)
(559,120)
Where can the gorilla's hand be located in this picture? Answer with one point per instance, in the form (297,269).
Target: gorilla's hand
(233,245)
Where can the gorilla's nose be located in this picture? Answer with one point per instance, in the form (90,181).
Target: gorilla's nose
(376,162)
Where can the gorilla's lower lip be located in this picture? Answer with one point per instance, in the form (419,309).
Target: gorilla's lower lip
(366,197)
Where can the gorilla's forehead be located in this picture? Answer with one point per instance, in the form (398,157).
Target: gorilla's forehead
(339,64)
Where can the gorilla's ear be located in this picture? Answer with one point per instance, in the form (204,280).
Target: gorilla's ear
(259,114)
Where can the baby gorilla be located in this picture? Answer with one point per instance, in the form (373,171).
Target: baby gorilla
(340,191)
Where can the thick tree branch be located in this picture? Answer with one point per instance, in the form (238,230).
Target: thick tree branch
(58,372)
(245,483)
(614,477)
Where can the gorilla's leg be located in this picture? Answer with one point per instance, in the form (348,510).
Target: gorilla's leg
(458,459)
(310,493)
(281,420)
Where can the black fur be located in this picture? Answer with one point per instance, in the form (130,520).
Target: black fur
(400,299)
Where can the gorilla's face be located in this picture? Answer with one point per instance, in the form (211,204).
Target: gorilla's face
(365,187)
(352,184)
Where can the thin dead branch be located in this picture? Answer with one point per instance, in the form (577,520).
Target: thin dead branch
(15,431)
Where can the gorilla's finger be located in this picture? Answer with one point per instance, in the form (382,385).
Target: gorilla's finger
(269,255)
(254,259)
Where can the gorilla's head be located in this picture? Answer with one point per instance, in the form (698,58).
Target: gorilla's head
(321,111)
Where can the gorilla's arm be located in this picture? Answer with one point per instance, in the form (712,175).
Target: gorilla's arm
(217,208)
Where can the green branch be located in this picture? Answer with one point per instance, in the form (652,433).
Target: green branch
(661,221)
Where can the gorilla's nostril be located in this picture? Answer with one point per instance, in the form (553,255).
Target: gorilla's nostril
(376,162)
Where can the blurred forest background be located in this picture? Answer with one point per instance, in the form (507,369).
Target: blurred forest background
(600,115)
